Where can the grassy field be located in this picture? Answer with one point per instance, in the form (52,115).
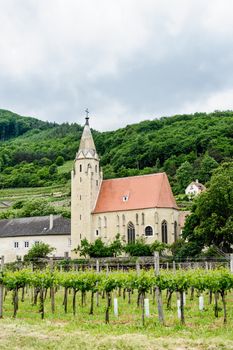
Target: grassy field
(202,330)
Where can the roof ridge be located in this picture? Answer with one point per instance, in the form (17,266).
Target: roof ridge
(160,189)
(127,177)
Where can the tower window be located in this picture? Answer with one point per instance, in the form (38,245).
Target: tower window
(96,168)
(97,233)
(148,231)
(80,216)
(80,197)
(80,168)
(80,179)
(97,183)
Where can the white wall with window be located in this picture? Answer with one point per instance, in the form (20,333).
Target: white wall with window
(12,247)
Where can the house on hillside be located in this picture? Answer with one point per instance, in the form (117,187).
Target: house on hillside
(18,235)
(138,206)
(194,188)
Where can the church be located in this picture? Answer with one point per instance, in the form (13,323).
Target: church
(134,207)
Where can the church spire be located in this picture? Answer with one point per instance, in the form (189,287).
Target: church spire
(87,147)
(87,116)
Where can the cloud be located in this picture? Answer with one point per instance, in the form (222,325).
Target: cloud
(126,60)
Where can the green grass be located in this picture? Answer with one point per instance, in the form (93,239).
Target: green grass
(66,167)
(60,331)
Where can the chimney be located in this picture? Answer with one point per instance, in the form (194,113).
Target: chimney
(197,181)
(51,221)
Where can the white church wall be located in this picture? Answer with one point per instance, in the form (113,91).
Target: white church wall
(107,225)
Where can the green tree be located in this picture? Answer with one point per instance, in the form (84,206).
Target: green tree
(59,160)
(207,166)
(37,251)
(37,207)
(211,220)
(184,176)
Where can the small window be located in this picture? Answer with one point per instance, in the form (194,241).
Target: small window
(80,217)
(148,231)
(96,168)
(80,179)
(80,236)
(97,233)
(69,242)
(105,221)
(97,182)
(136,219)
(37,242)
(80,197)
(66,255)
(80,168)
(26,244)
(125,198)
(16,244)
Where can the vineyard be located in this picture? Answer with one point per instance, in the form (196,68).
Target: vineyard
(111,294)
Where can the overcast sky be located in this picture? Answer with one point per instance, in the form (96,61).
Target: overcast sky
(126,60)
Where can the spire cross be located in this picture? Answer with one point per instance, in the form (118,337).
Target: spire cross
(87,116)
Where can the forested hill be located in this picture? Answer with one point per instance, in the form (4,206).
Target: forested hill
(185,146)
(13,125)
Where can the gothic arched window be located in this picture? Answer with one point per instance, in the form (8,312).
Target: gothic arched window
(136,219)
(118,220)
(80,168)
(123,220)
(175,231)
(143,218)
(131,232)
(96,168)
(148,231)
(164,231)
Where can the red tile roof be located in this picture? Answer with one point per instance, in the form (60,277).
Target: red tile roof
(141,192)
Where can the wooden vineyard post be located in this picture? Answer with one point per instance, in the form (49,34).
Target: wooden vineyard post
(158,291)
(231,262)
(52,289)
(1,289)
(97,271)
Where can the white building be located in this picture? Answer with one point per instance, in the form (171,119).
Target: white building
(18,235)
(194,188)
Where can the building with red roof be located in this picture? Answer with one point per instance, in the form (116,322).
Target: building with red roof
(137,206)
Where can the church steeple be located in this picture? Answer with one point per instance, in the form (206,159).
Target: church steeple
(87,146)
(86,179)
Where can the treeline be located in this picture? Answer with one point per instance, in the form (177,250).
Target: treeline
(13,125)
(186,147)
